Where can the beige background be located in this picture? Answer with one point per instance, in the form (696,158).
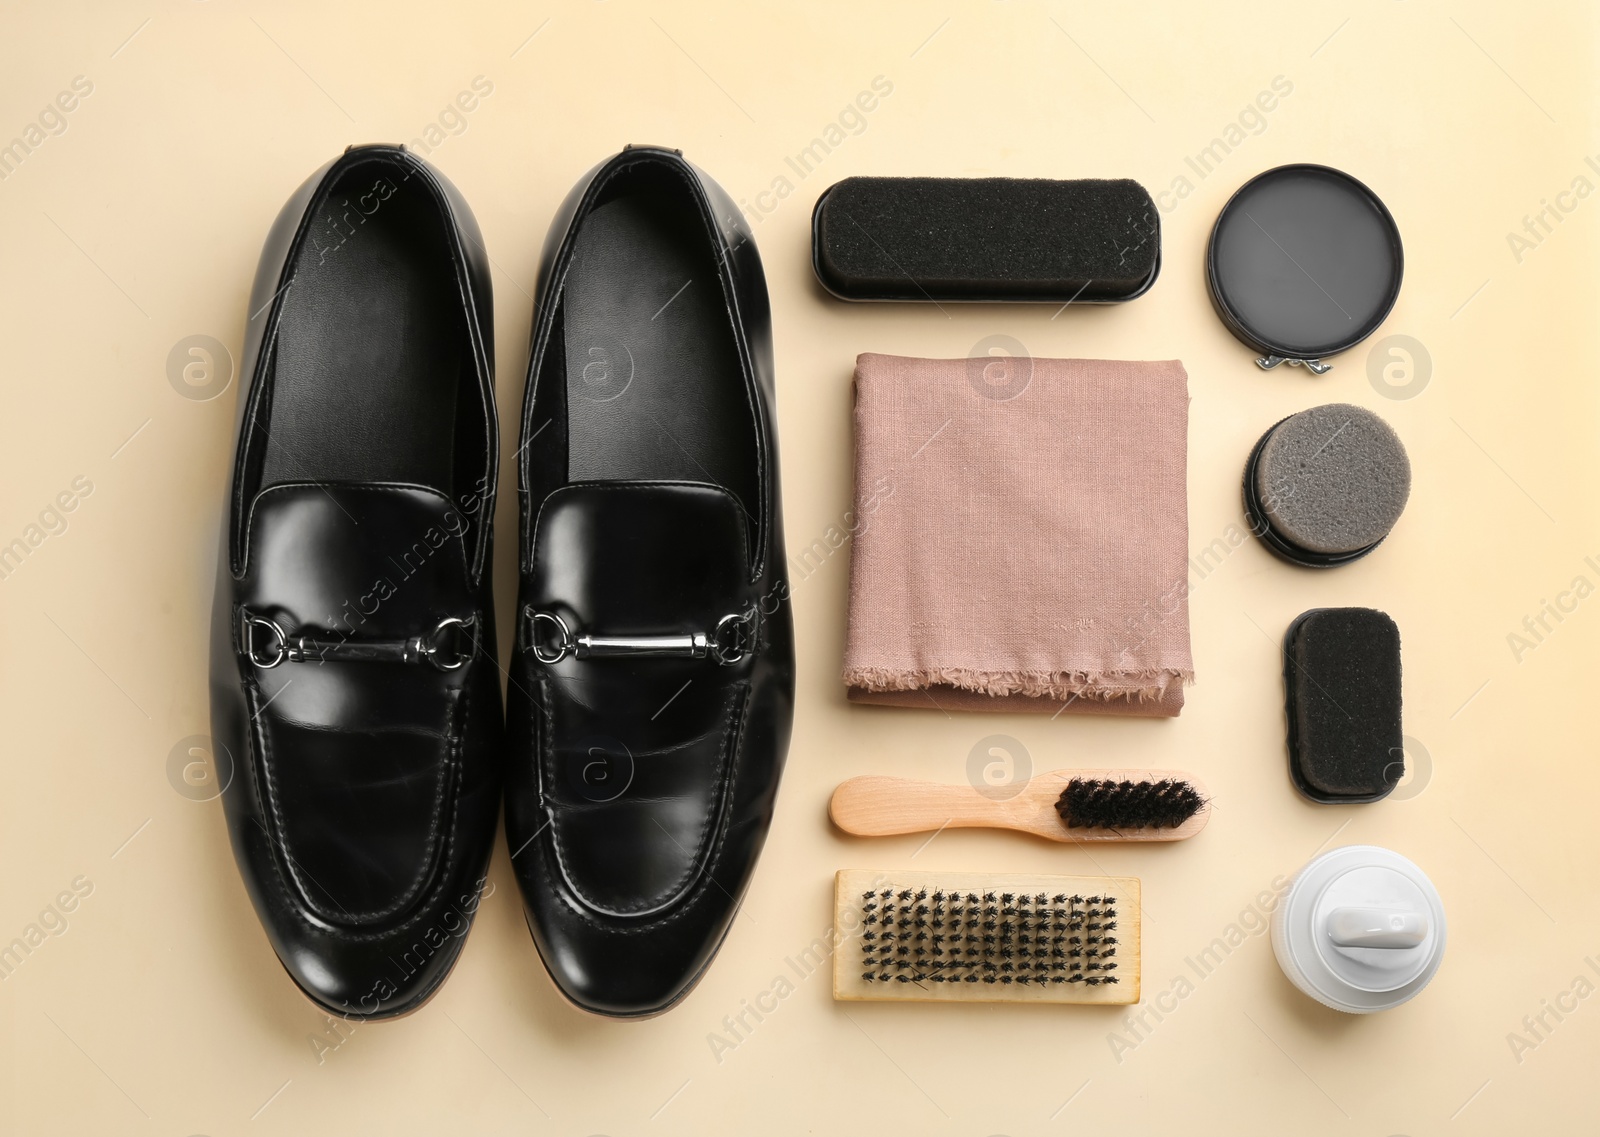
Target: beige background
(160,1009)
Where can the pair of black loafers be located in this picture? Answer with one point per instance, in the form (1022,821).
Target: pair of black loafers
(355,681)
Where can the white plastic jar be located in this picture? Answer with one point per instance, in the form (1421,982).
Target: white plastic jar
(1362,929)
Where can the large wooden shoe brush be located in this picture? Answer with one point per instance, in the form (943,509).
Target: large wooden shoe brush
(1063,805)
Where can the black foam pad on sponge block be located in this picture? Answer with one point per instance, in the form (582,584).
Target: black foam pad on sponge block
(1342,693)
(986,239)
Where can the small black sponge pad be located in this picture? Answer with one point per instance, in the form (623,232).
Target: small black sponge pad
(1326,485)
(986,239)
(1341,676)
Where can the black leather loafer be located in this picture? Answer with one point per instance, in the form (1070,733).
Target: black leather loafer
(354,687)
(652,685)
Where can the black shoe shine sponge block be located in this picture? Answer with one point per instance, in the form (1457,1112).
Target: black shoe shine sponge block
(1341,677)
(986,239)
(1325,486)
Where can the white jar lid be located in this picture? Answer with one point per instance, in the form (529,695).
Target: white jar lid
(1362,929)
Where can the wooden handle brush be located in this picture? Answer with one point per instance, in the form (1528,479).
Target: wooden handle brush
(1063,805)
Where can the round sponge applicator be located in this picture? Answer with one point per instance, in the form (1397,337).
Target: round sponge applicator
(1325,486)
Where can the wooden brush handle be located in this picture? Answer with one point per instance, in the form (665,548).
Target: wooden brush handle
(878,806)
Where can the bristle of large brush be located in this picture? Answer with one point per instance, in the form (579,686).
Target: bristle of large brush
(1092,803)
(917,936)
(965,937)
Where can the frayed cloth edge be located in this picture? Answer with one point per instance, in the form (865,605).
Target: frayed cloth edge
(1146,685)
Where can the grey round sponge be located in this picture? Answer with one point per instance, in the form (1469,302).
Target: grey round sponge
(1332,480)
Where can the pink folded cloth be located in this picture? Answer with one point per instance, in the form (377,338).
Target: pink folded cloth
(1021,535)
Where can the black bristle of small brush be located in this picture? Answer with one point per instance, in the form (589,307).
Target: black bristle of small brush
(1094,803)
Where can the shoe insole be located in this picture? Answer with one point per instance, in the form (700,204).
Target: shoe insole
(370,345)
(654,386)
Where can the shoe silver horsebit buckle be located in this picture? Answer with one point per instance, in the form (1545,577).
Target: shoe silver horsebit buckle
(732,639)
(447,647)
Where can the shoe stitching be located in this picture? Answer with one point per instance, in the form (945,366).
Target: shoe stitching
(433,852)
(290,895)
(437,852)
(689,904)
(674,892)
